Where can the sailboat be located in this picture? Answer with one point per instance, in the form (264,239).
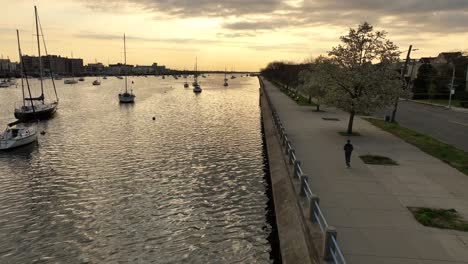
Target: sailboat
(17,134)
(40,110)
(97,81)
(126,97)
(72,80)
(225,79)
(196,85)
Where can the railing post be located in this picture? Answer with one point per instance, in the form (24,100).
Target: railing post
(285,137)
(291,151)
(296,165)
(314,200)
(328,243)
(287,146)
(304,179)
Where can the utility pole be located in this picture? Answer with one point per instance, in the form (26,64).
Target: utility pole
(451,86)
(403,84)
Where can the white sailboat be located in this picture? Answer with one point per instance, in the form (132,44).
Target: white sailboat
(196,85)
(41,109)
(4,84)
(126,97)
(17,134)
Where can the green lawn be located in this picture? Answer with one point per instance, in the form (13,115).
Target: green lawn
(449,154)
(444,102)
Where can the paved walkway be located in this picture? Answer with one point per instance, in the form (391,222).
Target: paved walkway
(367,204)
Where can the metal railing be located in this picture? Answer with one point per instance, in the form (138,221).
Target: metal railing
(331,248)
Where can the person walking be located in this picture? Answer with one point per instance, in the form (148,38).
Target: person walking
(348,149)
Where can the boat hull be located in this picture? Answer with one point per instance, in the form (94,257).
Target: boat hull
(126,98)
(11,144)
(42,113)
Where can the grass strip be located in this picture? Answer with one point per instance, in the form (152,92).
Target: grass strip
(297,97)
(449,154)
(440,218)
(377,160)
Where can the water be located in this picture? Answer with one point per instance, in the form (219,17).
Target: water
(107,184)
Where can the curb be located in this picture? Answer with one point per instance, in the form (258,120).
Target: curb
(455,109)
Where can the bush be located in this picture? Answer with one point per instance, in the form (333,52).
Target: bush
(462,95)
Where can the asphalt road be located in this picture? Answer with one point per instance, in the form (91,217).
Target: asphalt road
(446,125)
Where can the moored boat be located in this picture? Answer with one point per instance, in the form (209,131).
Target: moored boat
(36,107)
(126,97)
(17,135)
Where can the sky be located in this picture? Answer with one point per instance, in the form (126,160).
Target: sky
(236,34)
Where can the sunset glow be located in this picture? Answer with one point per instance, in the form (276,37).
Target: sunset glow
(242,35)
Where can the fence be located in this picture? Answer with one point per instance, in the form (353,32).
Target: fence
(331,248)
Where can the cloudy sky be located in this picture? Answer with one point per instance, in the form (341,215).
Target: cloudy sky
(238,34)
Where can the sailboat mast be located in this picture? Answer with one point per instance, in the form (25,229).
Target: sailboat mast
(23,74)
(50,62)
(21,65)
(39,54)
(125,63)
(196,69)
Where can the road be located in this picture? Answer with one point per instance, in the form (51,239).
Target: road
(446,125)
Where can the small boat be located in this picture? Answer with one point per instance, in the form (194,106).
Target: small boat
(81,79)
(119,77)
(12,81)
(97,81)
(164,77)
(225,79)
(17,135)
(233,77)
(105,77)
(197,89)
(57,78)
(186,85)
(126,97)
(4,84)
(70,81)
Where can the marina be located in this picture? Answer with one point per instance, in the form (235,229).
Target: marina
(188,186)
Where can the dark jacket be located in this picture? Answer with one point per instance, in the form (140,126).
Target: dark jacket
(348,148)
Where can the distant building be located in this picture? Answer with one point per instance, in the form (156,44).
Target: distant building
(94,68)
(119,69)
(159,69)
(143,70)
(8,68)
(447,57)
(56,64)
(442,60)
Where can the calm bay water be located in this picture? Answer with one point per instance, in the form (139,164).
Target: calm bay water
(107,184)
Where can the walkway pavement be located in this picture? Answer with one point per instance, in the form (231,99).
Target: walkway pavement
(368,204)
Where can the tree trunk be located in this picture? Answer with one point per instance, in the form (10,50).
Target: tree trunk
(395,107)
(318,108)
(350,124)
(310,99)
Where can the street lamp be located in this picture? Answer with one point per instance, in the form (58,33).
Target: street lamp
(452,91)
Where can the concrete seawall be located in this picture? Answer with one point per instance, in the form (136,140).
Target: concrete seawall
(296,241)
